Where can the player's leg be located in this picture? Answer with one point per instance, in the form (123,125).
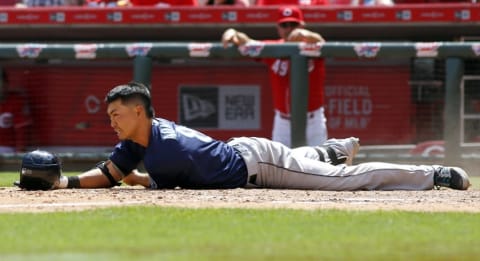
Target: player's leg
(310,174)
(316,130)
(281,130)
(333,151)
(347,147)
(275,166)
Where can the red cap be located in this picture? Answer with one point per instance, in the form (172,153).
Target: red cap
(290,14)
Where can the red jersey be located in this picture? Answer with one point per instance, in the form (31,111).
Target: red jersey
(14,115)
(279,72)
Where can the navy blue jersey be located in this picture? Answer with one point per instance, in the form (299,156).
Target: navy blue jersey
(178,156)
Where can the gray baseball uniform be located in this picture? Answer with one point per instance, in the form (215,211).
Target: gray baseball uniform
(273,165)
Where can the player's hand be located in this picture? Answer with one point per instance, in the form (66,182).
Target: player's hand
(229,36)
(304,35)
(137,178)
(297,35)
(233,36)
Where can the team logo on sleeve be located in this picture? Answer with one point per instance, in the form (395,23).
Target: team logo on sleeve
(310,49)
(199,49)
(427,49)
(252,49)
(30,50)
(368,50)
(138,49)
(85,51)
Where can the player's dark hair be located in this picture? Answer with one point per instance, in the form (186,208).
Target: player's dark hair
(132,91)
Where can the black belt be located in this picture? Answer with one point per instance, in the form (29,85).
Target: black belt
(252,178)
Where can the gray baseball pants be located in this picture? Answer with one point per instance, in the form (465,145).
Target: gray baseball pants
(272,165)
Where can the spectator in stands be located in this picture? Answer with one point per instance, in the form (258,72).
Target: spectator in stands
(244,3)
(105,3)
(434,1)
(290,28)
(292,2)
(371,2)
(14,118)
(46,3)
(362,2)
(163,3)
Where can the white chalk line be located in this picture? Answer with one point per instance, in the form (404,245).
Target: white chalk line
(70,204)
(336,200)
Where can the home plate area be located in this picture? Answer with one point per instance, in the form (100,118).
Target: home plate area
(17,200)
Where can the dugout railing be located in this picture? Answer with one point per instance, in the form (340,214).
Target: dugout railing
(143,53)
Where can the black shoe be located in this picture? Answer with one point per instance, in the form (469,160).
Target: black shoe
(451,177)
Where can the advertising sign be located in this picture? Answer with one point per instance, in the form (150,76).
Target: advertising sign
(226,107)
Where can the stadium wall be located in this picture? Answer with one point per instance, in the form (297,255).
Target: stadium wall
(371,100)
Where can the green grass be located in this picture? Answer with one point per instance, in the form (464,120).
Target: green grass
(154,233)
(161,233)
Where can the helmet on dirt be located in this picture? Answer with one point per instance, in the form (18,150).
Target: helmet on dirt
(41,170)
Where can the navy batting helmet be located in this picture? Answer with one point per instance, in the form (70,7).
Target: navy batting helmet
(41,170)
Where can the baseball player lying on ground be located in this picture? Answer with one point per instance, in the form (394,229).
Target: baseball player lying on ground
(177,156)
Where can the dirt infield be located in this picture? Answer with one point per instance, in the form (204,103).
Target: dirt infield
(16,200)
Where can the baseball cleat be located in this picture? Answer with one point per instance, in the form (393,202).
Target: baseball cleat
(345,149)
(451,177)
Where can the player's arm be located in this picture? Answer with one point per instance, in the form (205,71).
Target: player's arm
(105,175)
(236,37)
(304,35)
(94,179)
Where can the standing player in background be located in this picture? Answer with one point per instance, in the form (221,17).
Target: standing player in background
(14,118)
(290,28)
